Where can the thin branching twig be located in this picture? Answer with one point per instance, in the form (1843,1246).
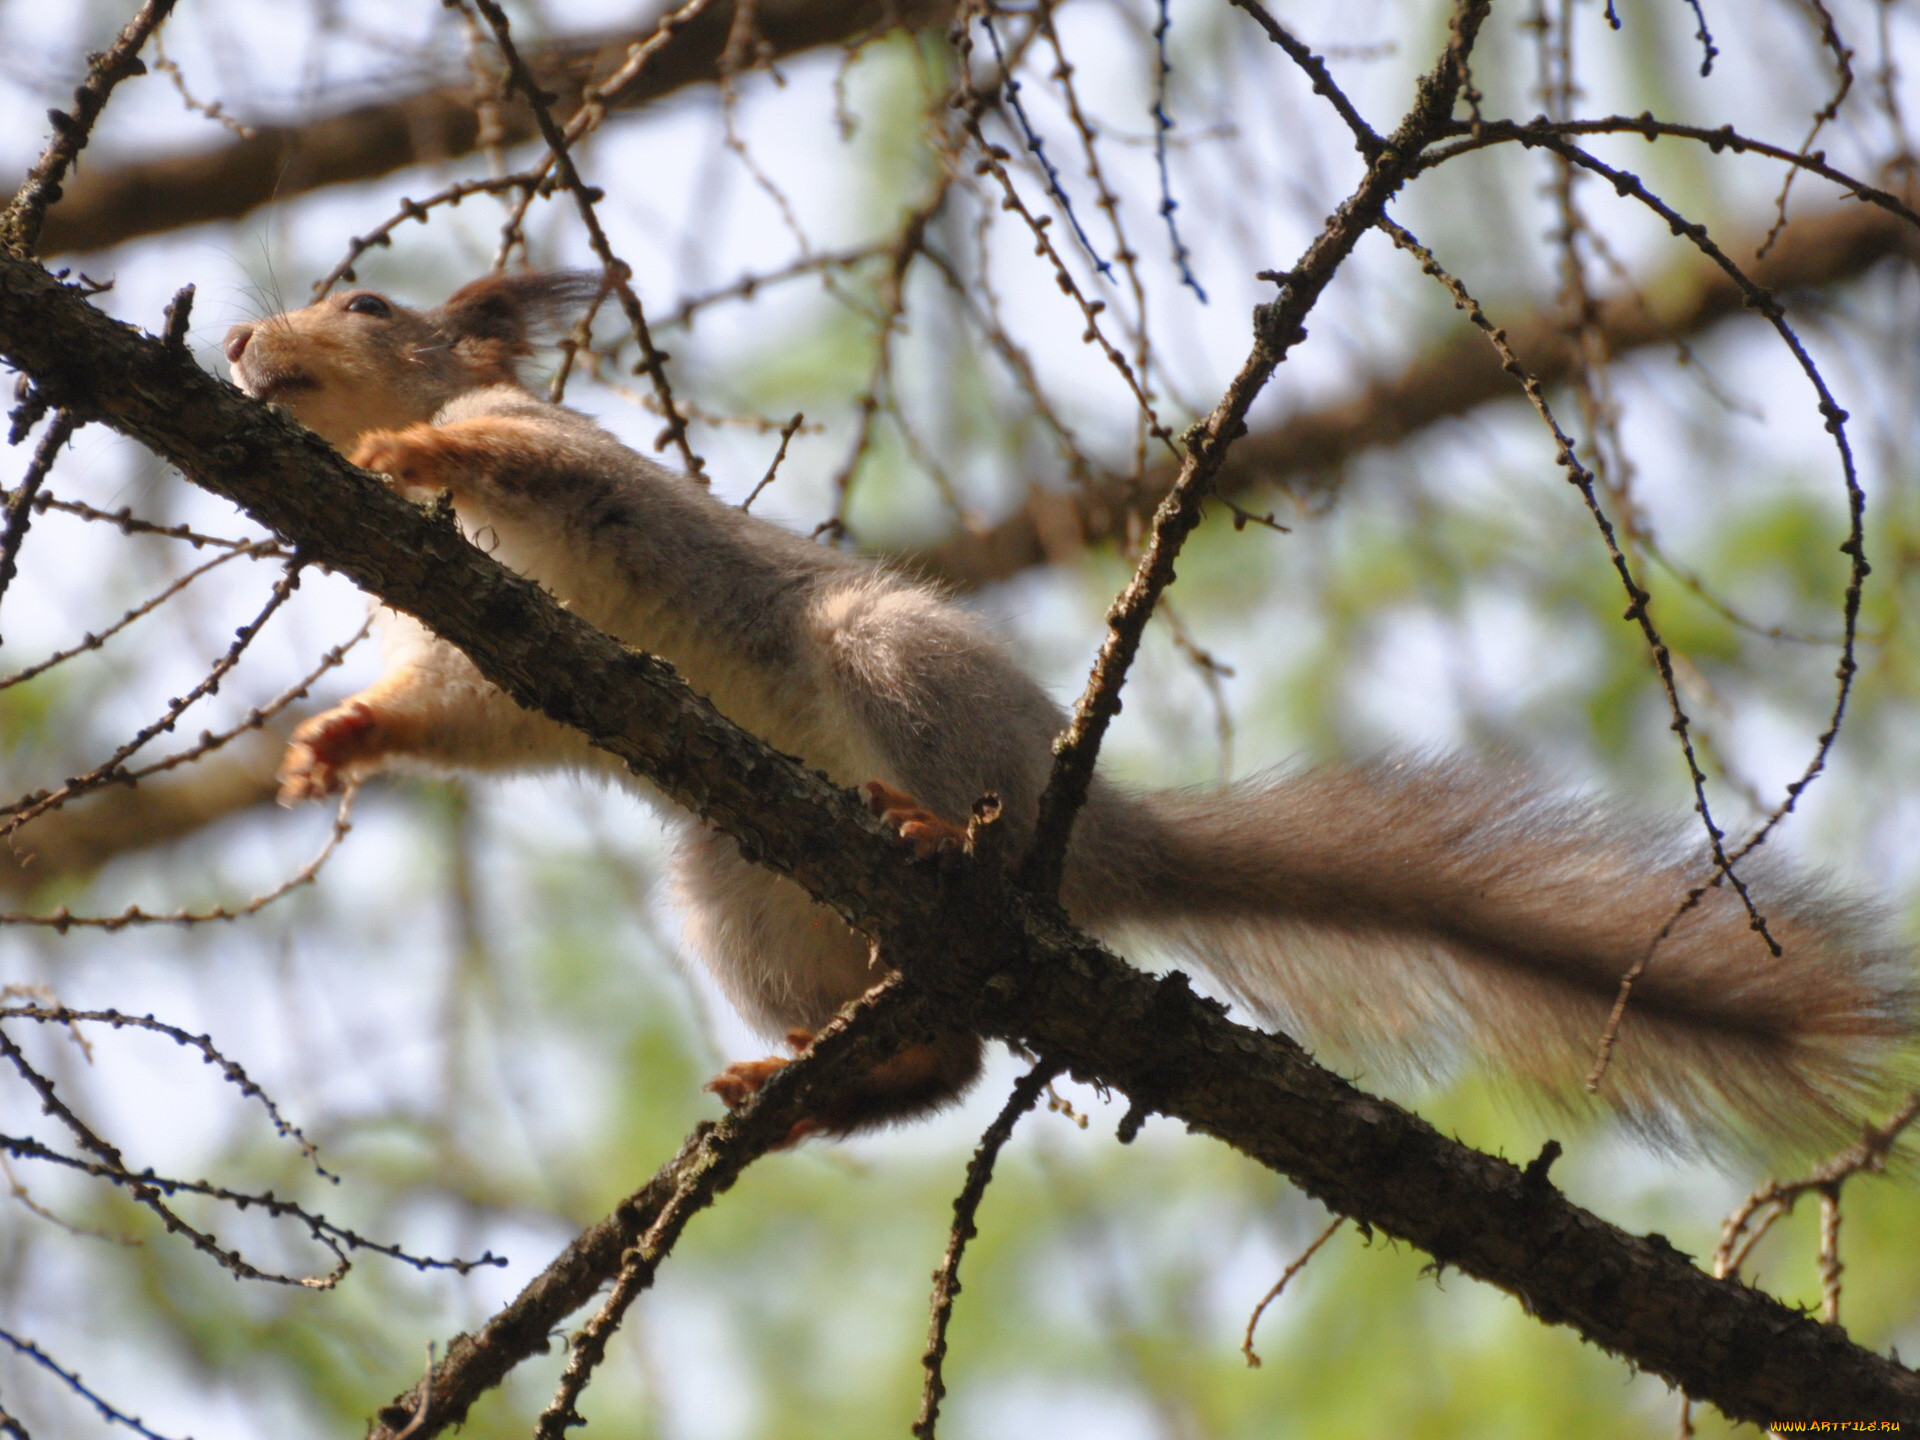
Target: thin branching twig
(112,770)
(787,432)
(618,272)
(1277,328)
(20,225)
(230,1070)
(71,1379)
(62,920)
(1279,1288)
(92,640)
(20,500)
(966,1206)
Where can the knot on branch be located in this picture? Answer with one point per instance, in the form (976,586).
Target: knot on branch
(1275,331)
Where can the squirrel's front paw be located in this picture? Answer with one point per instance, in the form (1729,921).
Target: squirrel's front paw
(323,751)
(417,460)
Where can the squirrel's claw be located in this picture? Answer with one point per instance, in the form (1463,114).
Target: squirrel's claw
(322,750)
(414,459)
(741,1081)
(926,832)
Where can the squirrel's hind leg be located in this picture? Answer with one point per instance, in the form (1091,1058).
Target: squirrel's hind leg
(918,1079)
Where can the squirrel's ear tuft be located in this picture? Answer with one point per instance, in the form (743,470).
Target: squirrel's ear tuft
(514,311)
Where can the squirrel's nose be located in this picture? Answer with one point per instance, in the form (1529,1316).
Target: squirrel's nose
(237,339)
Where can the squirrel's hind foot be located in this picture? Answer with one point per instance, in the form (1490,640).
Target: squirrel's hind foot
(928,833)
(920,1078)
(741,1081)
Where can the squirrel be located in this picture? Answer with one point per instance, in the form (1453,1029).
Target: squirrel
(1394,913)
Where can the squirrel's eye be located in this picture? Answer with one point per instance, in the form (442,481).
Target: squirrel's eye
(369,305)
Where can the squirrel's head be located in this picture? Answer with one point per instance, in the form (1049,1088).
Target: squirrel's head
(358,361)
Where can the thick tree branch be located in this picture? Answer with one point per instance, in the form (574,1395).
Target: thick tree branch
(108,204)
(74,842)
(981,950)
(1307,451)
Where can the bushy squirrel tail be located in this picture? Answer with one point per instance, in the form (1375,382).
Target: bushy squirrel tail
(1408,914)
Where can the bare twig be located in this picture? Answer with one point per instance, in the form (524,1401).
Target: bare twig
(591,114)
(1584,480)
(1853,547)
(1036,146)
(20,507)
(907,247)
(382,234)
(437,122)
(154,1191)
(151,1190)
(1499,132)
(211,740)
(1825,115)
(618,273)
(749,286)
(230,1070)
(1162,123)
(73,1382)
(128,523)
(1365,138)
(1212,673)
(747,49)
(1124,254)
(1307,453)
(1748,1225)
(1277,328)
(712,1158)
(214,110)
(62,920)
(974,103)
(20,225)
(1279,1287)
(787,432)
(24,1198)
(966,1205)
(1708,50)
(112,770)
(91,641)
